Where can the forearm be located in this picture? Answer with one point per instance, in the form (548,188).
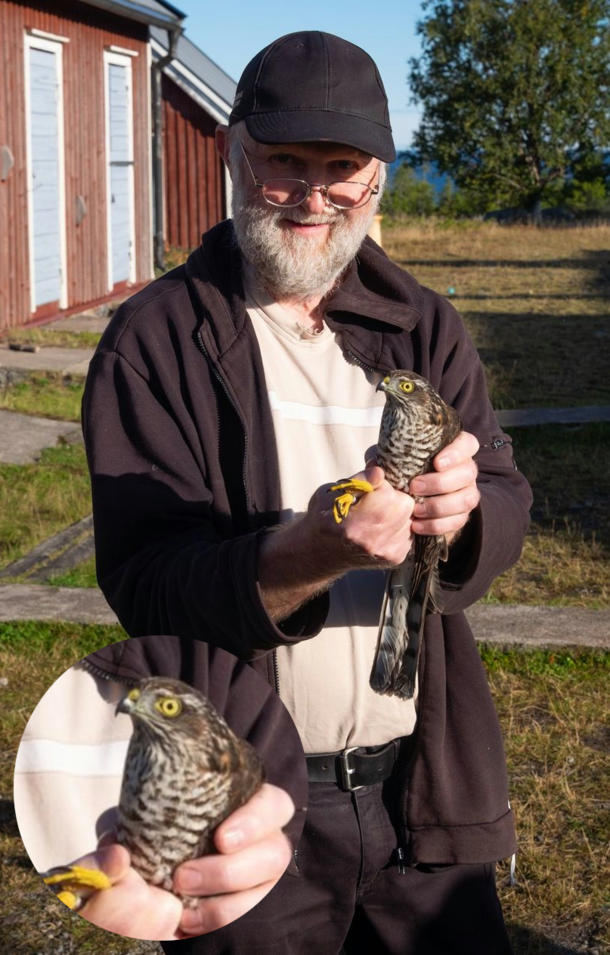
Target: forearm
(291,571)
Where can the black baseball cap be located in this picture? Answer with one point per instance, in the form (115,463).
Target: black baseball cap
(312,86)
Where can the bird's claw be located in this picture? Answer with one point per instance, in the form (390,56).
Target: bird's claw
(352,490)
(74,884)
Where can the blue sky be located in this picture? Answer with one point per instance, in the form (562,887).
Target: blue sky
(232,33)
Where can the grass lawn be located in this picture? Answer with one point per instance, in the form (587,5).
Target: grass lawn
(552,711)
(46,336)
(37,500)
(46,395)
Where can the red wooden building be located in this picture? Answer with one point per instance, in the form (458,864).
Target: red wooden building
(85,194)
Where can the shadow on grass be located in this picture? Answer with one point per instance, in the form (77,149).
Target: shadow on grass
(527,942)
(593,261)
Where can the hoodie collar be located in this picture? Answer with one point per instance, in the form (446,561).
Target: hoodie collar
(373,290)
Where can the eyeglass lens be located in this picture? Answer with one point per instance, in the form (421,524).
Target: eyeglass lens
(291,192)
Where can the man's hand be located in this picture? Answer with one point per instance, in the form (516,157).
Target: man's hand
(253,855)
(450,492)
(375,534)
(302,559)
(130,907)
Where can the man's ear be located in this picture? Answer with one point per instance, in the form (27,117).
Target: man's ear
(222,143)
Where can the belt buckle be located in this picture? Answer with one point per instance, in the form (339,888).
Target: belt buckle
(346,771)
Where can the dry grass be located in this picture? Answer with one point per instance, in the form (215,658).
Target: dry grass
(554,713)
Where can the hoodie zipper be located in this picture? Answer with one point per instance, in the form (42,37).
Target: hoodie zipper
(227,393)
(109,677)
(363,364)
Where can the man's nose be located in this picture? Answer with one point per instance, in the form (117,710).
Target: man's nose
(316,202)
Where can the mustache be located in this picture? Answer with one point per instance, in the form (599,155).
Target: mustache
(305,218)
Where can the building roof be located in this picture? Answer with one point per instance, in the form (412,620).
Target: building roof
(157,12)
(197,74)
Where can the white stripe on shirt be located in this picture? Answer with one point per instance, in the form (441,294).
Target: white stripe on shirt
(74,759)
(326,414)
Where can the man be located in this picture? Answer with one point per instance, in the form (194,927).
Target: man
(222,403)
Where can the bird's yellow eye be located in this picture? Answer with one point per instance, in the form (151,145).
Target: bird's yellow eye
(169,706)
(133,695)
(407,387)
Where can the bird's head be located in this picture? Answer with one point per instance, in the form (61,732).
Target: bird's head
(405,387)
(160,705)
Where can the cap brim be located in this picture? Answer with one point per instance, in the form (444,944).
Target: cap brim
(309,126)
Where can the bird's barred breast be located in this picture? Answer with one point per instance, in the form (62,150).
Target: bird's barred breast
(404,454)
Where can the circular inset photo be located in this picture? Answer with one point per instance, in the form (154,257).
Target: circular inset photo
(160,788)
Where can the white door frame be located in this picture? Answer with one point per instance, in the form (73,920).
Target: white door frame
(50,46)
(119,59)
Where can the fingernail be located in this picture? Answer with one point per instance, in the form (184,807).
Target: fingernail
(443,462)
(417,527)
(187,880)
(418,487)
(419,509)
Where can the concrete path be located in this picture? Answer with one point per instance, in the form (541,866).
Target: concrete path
(23,437)
(502,625)
(513,624)
(38,602)
(65,361)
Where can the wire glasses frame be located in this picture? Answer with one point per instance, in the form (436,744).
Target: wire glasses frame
(288,193)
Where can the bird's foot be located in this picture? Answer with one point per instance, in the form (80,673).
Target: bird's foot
(73,884)
(352,490)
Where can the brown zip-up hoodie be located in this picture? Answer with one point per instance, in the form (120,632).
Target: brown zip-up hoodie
(185,484)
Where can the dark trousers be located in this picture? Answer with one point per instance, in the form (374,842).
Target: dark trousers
(347,893)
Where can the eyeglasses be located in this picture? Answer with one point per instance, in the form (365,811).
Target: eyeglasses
(292,192)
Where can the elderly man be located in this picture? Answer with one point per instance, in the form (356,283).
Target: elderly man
(221,404)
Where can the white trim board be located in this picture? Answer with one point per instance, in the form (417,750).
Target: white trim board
(119,59)
(35,42)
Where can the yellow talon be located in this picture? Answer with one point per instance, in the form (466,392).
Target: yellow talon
(76,884)
(352,490)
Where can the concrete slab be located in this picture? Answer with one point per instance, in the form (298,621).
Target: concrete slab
(66,361)
(514,624)
(39,602)
(80,323)
(23,437)
(510,625)
(530,416)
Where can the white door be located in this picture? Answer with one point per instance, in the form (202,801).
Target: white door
(119,178)
(45,168)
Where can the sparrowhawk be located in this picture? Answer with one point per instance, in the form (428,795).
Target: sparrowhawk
(416,424)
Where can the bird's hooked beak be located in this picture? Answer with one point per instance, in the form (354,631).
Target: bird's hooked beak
(127,704)
(383,385)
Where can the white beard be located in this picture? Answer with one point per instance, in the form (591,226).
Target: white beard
(290,265)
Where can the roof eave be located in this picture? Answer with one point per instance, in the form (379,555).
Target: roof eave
(141,14)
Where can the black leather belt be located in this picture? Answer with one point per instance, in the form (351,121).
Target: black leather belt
(355,767)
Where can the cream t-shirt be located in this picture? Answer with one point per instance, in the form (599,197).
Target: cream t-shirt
(326,414)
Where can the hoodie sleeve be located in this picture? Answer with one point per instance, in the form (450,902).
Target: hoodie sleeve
(163,562)
(492,540)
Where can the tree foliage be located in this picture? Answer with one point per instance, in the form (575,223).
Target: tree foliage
(516,93)
(409,196)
